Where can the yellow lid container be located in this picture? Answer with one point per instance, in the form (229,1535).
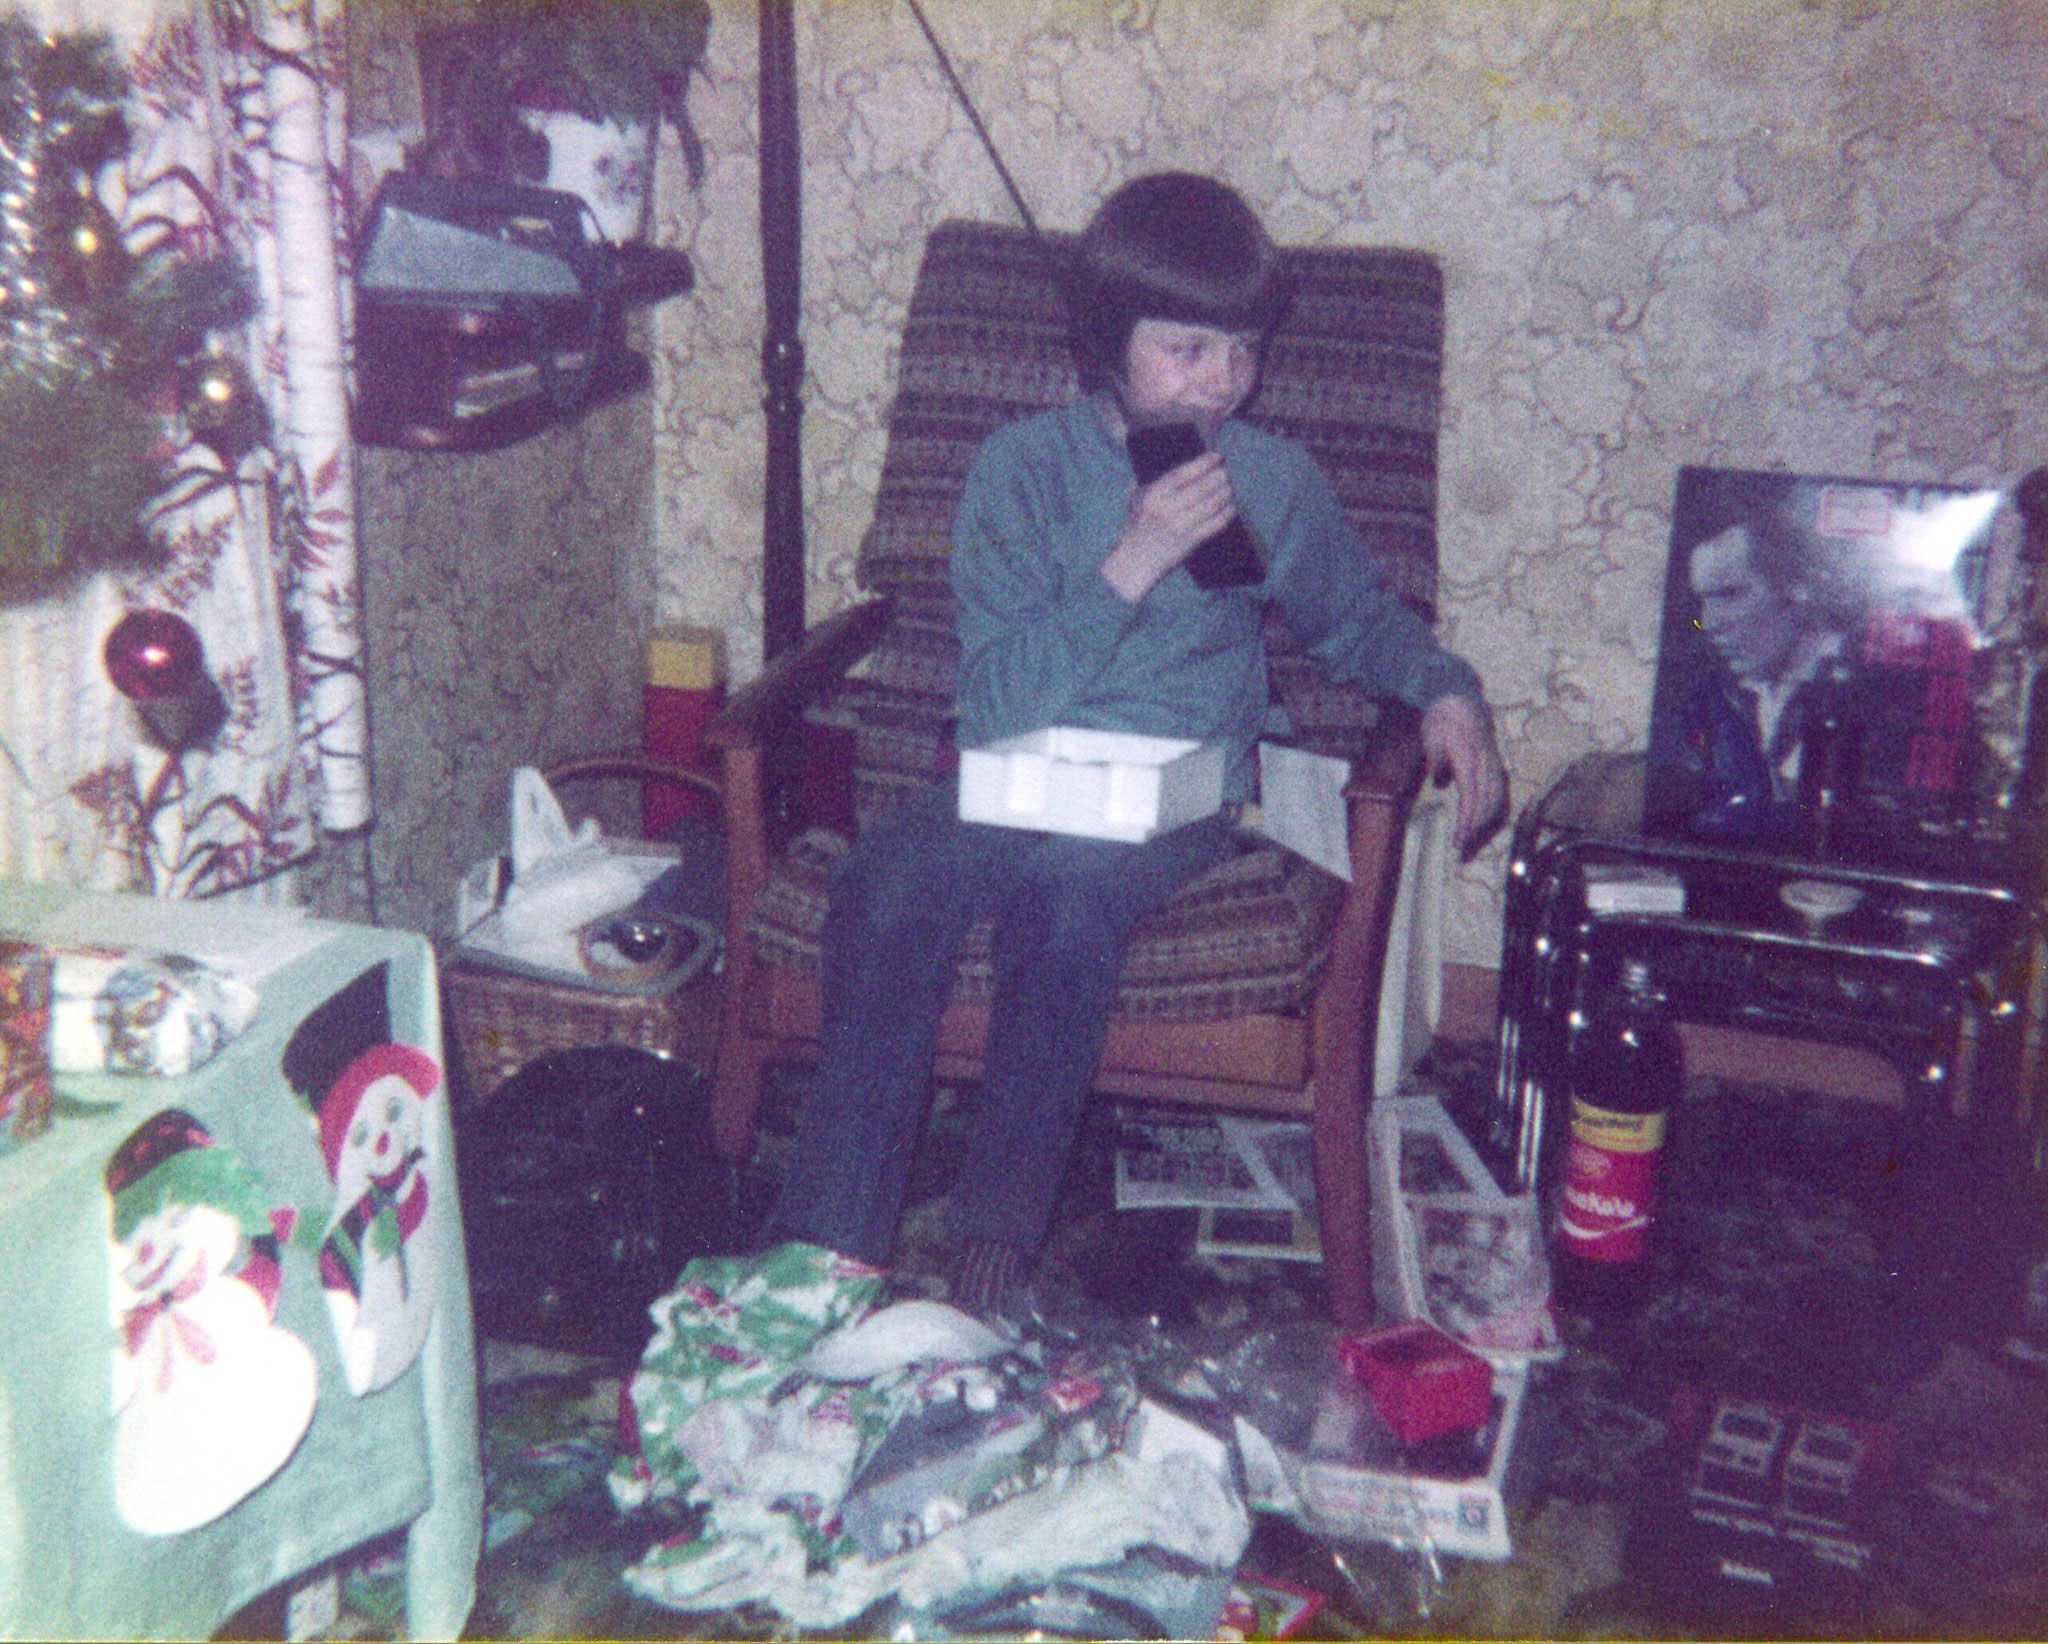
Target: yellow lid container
(685,658)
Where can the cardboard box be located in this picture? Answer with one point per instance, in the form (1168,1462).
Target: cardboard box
(1425,1178)
(1103,784)
(1451,1493)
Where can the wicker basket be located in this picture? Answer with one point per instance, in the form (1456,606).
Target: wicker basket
(497,1022)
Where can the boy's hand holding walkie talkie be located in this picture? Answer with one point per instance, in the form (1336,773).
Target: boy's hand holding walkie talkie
(1226,558)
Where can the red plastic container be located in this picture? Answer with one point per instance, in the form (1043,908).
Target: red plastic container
(685,688)
(1422,1381)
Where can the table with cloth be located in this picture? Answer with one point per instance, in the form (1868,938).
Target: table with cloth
(327,1370)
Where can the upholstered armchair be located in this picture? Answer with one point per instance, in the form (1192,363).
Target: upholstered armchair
(1256,987)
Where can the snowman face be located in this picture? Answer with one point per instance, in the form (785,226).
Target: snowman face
(383,1137)
(172,1244)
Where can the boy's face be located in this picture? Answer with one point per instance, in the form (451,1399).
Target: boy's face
(1174,370)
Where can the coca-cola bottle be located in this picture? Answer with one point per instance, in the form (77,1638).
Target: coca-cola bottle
(1625,1075)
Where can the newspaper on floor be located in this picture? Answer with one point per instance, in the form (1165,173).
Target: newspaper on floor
(1260,1235)
(1169,1159)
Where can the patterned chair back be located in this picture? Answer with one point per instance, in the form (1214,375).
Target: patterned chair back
(1354,375)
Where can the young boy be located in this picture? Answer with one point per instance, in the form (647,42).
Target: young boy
(1074,609)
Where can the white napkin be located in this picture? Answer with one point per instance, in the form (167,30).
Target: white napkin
(560,880)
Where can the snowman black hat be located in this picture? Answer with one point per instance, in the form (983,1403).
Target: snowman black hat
(341,1048)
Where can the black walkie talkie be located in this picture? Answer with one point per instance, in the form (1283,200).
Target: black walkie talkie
(1226,560)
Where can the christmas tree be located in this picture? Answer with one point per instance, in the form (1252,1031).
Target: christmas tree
(96,339)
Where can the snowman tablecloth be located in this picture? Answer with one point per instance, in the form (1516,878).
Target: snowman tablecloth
(239,1337)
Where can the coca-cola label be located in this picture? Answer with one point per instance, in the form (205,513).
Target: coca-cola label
(1614,1132)
(1610,1178)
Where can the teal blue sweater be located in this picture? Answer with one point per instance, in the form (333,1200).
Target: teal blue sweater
(1045,640)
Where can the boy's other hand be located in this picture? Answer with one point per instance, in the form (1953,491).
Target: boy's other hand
(1167,519)
(1458,744)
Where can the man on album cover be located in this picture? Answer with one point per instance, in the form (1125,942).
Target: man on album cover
(1793,636)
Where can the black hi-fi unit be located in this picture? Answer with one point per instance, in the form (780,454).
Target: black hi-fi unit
(588,1181)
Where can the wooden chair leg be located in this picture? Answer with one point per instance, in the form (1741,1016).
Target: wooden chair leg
(1344,1205)
(1343,1027)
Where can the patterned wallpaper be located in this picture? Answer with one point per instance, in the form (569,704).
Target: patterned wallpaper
(1801,233)
(504,595)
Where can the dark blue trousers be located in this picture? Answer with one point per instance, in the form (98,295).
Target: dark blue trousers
(902,900)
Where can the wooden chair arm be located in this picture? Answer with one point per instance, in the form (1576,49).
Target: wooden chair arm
(756,720)
(782,690)
(1385,779)
(1389,771)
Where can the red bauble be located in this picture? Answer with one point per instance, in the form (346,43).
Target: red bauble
(154,656)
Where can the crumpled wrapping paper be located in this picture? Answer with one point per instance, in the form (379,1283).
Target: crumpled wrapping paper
(1091,1515)
(711,1383)
(772,1379)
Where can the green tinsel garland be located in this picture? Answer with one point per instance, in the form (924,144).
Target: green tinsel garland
(90,334)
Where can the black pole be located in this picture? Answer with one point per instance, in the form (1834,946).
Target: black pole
(782,352)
